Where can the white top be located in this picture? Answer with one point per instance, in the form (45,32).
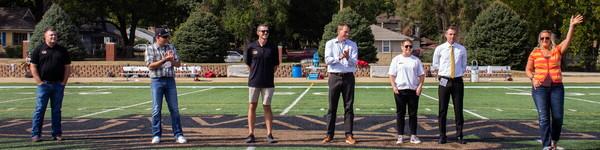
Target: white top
(334,50)
(441,59)
(407,71)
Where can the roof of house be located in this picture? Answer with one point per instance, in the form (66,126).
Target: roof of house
(16,19)
(381,33)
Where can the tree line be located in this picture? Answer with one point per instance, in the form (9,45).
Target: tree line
(500,32)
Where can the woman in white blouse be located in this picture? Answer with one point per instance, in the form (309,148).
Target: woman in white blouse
(406,77)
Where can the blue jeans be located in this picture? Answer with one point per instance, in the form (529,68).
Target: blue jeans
(549,102)
(164,87)
(53,92)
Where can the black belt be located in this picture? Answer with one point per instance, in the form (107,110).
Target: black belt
(455,78)
(341,73)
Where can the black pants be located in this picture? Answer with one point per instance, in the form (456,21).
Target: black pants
(341,83)
(403,98)
(455,88)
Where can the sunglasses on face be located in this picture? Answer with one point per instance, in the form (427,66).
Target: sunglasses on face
(545,38)
(264,31)
(407,46)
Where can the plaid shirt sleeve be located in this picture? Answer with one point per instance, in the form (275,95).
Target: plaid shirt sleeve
(149,55)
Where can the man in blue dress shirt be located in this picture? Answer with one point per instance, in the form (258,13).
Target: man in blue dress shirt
(341,56)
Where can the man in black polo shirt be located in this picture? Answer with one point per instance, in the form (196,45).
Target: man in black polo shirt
(262,59)
(50,67)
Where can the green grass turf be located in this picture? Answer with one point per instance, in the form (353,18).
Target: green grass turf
(495,103)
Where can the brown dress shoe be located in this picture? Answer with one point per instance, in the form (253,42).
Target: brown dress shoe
(350,139)
(327,139)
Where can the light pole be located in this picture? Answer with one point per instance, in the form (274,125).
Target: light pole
(341,5)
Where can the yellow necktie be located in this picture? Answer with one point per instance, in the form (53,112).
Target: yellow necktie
(452,65)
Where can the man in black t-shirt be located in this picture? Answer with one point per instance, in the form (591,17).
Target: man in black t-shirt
(262,59)
(50,67)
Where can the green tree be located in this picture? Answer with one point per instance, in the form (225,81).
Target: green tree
(240,17)
(433,16)
(498,37)
(554,15)
(306,33)
(37,7)
(370,9)
(200,39)
(360,32)
(127,15)
(68,33)
(539,15)
(581,54)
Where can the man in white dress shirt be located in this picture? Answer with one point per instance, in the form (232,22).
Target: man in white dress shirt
(450,59)
(341,56)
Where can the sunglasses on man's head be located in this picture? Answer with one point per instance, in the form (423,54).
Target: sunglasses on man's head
(407,46)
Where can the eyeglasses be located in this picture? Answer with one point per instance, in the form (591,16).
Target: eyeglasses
(407,46)
(264,31)
(544,38)
(165,37)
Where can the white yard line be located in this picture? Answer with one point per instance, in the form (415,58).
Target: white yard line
(20,99)
(518,90)
(466,110)
(573,98)
(142,103)
(293,87)
(585,100)
(14,100)
(286,110)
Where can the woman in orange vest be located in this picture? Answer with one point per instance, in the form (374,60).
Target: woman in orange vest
(543,68)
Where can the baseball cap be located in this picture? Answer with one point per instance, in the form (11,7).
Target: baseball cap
(162,32)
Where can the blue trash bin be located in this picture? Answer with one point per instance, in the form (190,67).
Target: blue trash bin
(296,71)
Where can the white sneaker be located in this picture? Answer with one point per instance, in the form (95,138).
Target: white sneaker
(155,139)
(414,139)
(400,139)
(181,140)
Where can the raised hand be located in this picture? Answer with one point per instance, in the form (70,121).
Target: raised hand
(576,20)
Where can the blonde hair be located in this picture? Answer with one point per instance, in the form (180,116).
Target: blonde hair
(552,43)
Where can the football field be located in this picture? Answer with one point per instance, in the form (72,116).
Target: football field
(488,107)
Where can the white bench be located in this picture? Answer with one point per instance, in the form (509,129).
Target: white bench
(143,71)
(135,71)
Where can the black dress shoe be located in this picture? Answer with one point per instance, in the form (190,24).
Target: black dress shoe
(460,140)
(442,140)
(250,139)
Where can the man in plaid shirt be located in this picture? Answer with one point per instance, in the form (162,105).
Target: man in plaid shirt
(161,58)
